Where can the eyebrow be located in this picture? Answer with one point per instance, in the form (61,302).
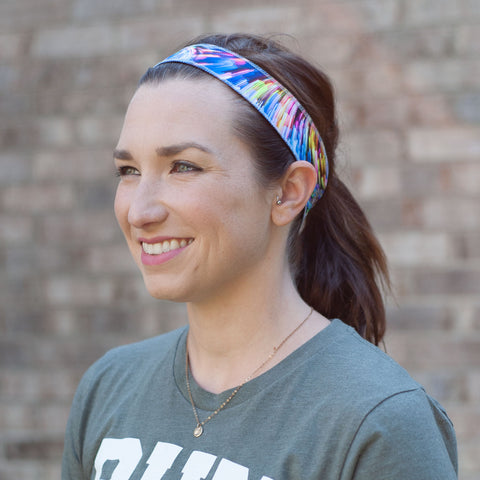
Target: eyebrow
(122,154)
(168,151)
(172,150)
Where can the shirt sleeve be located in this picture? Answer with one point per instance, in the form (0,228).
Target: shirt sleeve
(72,468)
(408,435)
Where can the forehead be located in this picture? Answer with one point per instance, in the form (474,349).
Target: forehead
(180,110)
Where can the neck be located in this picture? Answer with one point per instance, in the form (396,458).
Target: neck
(231,336)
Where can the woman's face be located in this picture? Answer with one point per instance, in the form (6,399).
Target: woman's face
(195,218)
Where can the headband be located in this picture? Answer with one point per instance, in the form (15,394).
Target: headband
(279,107)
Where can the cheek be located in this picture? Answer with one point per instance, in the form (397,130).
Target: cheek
(121,208)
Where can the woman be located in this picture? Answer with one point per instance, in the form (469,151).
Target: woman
(229,201)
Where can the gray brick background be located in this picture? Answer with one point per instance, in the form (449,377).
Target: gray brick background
(407,74)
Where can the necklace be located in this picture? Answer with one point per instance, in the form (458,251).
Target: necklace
(198,430)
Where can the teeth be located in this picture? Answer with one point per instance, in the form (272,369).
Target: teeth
(165,246)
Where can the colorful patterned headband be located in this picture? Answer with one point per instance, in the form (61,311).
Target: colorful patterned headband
(270,98)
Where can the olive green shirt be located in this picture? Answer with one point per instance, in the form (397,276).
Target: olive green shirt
(336,408)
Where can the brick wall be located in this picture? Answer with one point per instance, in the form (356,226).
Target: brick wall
(407,77)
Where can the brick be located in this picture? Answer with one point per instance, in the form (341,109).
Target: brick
(442,75)
(152,316)
(96,227)
(385,113)
(55,131)
(25,15)
(445,386)
(9,77)
(19,261)
(17,416)
(384,216)
(37,386)
(429,110)
(44,448)
(52,417)
(93,10)
(69,290)
(12,45)
(100,40)
(96,195)
(77,165)
(110,259)
(431,12)
(446,281)
(35,198)
(467,107)
(417,317)
(13,470)
(417,248)
(465,418)
(76,41)
(339,16)
(327,50)
(455,178)
(473,386)
(426,351)
(377,182)
(471,8)
(468,457)
(15,290)
(99,130)
(444,145)
(465,178)
(23,319)
(380,81)
(16,104)
(467,40)
(467,245)
(425,43)
(15,229)
(376,14)
(367,148)
(255,18)
(462,316)
(449,213)
(64,322)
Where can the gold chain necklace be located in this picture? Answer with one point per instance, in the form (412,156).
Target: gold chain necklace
(199,428)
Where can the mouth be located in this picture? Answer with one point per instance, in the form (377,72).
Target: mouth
(165,246)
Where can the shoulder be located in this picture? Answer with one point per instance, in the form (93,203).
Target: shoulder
(369,373)
(407,433)
(390,414)
(126,361)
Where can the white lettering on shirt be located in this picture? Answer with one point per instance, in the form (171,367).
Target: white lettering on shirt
(128,453)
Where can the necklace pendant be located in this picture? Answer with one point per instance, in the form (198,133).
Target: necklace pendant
(198,431)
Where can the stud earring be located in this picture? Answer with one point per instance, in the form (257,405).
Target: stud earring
(279,200)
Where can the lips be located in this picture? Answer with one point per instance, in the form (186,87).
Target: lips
(165,246)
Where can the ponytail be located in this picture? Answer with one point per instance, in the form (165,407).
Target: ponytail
(339,266)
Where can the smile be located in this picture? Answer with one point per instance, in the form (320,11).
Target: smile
(165,246)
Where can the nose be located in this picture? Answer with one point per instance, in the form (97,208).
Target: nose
(147,206)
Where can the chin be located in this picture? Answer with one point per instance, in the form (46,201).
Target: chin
(166,292)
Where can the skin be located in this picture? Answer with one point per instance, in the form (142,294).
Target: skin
(185,175)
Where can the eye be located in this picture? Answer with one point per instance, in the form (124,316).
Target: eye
(184,167)
(126,171)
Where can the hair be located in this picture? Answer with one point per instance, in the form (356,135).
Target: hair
(337,263)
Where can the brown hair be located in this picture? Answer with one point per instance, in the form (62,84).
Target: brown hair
(338,265)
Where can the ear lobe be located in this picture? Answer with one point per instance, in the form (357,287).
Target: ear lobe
(297,186)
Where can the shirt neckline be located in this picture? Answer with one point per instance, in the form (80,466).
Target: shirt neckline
(208,402)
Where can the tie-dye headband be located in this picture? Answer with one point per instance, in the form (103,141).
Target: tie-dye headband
(270,98)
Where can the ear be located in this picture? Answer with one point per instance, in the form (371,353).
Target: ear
(295,189)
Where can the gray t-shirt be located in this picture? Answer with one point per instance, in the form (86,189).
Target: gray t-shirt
(336,408)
